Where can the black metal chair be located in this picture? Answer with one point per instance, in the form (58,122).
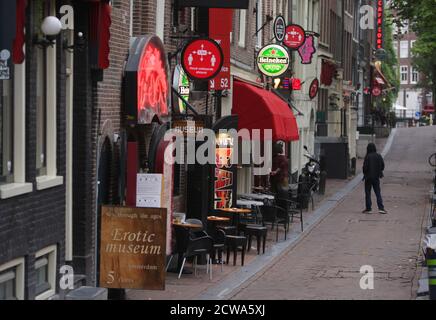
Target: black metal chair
(260,232)
(275,216)
(195,248)
(294,208)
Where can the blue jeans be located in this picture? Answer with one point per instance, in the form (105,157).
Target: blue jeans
(375,184)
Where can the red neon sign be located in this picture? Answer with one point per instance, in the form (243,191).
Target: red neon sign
(380,12)
(152,82)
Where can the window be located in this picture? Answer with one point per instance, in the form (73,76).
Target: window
(45,269)
(242,27)
(46,133)
(404,49)
(404,74)
(6,129)
(13,134)
(395,45)
(12,280)
(414,78)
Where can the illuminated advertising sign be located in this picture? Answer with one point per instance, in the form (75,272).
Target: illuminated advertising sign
(380,13)
(181,84)
(202,59)
(224,172)
(146,88)
(273,60)
(295,36)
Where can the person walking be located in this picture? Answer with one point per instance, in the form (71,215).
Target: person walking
(373,168)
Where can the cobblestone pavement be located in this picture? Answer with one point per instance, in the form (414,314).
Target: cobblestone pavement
(326,262)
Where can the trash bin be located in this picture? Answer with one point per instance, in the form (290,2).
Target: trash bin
(322,182)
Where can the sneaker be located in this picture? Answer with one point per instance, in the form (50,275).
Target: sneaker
(382,211)
(367,211)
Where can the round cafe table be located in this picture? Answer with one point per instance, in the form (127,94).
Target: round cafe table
(236,212)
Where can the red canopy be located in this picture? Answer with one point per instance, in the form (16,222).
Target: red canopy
(261,109)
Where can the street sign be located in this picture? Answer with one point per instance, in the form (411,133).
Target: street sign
(202,59)
(313,90)
(133,248)
(295,36)
(273,60)
(417,115)
(279,28)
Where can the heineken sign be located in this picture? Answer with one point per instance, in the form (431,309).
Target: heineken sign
(273,60)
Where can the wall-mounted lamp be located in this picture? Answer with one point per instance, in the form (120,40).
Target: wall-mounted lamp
(79,43)
(50,27)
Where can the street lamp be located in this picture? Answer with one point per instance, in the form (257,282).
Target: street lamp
(50,27)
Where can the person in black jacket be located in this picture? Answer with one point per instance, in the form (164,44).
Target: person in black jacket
(373,168)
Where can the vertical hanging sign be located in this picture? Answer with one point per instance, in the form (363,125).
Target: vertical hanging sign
(380,14)
(224,172)
(220,27)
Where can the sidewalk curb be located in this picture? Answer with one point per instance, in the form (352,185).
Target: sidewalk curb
(230,285)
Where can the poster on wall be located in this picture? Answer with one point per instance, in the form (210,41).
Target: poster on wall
(149,190)
(133,248)
(224,172)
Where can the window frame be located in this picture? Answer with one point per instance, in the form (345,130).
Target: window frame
(7,116)
(18,186)
(51,253)
(406,54)
(18,265)
(406,72)
(51,179)
(414,71)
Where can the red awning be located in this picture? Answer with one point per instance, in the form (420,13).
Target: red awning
(261,109)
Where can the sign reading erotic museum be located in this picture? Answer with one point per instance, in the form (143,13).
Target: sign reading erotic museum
(133,248)
(273,60)
(202,59)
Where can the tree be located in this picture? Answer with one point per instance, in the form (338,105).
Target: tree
(389,65)
(421,15)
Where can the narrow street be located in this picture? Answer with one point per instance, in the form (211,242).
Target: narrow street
(325,264)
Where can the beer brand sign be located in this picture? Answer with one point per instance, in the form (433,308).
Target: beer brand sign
(273,60)
(133,248)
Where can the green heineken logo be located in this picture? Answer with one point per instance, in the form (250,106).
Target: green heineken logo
(183,90)
(273,60)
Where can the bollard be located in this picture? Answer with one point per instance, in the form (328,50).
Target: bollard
(322,182)
(431,266)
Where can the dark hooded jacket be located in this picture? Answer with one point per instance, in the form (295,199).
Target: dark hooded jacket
(373,165)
